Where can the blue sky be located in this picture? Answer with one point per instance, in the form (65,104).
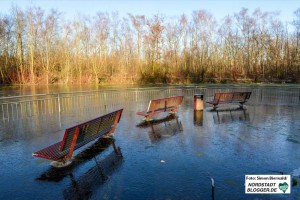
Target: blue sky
(168,8)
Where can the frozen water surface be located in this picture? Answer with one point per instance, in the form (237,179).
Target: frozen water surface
(175,162)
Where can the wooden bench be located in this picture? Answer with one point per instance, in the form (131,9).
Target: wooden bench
(230,97)
(79,135)
(156,106)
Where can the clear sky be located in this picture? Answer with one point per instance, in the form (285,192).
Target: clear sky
(168,8)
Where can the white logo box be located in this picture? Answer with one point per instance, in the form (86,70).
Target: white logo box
(267,184)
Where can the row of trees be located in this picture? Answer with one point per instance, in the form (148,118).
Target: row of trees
(45,47)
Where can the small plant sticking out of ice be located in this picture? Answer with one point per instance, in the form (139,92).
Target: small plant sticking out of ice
(294,182)
(296,177)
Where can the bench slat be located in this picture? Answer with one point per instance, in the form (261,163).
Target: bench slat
(93,137)
(51,153)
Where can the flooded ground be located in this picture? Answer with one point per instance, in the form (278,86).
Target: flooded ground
(175,162)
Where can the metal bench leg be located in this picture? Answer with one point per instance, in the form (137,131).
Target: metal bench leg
(241,106)
(151,125)
(215,107)
(148,119)
(179,124)
(116,149)
(218,117)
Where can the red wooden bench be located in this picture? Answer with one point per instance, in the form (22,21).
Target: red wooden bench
(79,135)
(230,97)
(156,106)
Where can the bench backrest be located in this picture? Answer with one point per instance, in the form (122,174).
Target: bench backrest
(90,130)
(165,103)
(241,96)
(232,96)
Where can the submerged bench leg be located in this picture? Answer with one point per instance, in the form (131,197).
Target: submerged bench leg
(215,107)
(241,106)
(116,149)
(177,121)
(151,125)
(61,163)
(148,121)
(179,124)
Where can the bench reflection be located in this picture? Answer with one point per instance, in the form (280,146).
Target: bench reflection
(83,187)
(227,116)
(169,126)
(57,174)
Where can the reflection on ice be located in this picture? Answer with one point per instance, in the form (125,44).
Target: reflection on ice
(83,186)
(226,145)
(227,116)
(162,128)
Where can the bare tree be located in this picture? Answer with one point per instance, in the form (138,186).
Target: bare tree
(49,34)
(102,23)
(34,19)
(154,41)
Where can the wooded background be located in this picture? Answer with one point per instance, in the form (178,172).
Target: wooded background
(43,47)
